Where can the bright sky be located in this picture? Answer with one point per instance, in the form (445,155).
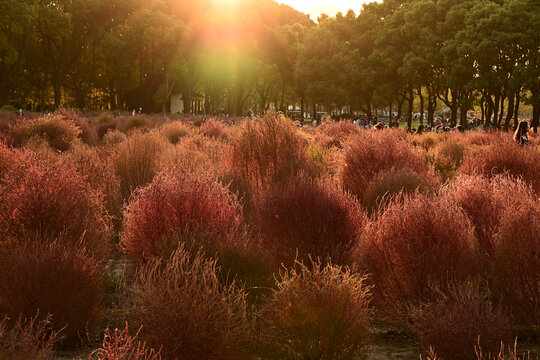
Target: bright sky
(329,7)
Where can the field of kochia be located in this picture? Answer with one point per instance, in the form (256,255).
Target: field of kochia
(148,237)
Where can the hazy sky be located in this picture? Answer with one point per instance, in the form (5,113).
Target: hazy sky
(330,7)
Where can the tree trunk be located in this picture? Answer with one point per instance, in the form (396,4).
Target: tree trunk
(510,112)
(516,110)
(501,112)
(432,106)
(421,105)
(410,109)
(400,100)
(463,116)
(496,109)
(489,112)
(302,108)
(390,117)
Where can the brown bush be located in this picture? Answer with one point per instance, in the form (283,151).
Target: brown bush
(49,277)
(457,322)
(306,218)
(105,128)
(120,345)
(367,155)
(214,129)
(183,306)
(449,156)
(337,133)
(28,339)
(136,161)
(113,137)
(416,243)
(53,200)
(317,313)
(393,185)
(59,133)
(178,205)
(175,131)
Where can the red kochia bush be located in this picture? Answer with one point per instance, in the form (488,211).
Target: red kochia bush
(368,154)
(270,152)
(317,313)
(46,276)
(52,200)
(484,201)
(28,339)
(183,306)
(517,260)
(214,128)
(120,345)
(178,204)
(46,200)
(455,323)
(413,244)
(309,218)
(505,157)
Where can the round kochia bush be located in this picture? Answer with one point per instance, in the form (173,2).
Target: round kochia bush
(369,153)
(516,260)
(412,245)
(182,306)
(46,276)
(53,200)
(317,313)
(455,323)
(309,218)
(178,205)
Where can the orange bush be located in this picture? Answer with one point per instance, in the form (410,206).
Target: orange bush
(183,306)
(215,129)
(317,313)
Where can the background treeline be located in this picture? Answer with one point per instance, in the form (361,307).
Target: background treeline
(123,54)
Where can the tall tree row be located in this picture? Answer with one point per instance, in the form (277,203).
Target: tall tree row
(408,56)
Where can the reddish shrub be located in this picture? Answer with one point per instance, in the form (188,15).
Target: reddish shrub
(317,313)
(95,165)
(48,277)
(136,161)
(59,133)
(449,156)
(44,200)
(178,205)
(413,244)
(114,137)
(367,155)
(393,185)
(455,323)
(194,154)
(28,339)
(506,158)
(336,134)
(484,201)
(120,345)
(175,131)
(270,152)
(103,129)
(214,128)
(516,260)
(183,306)
(306,217)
